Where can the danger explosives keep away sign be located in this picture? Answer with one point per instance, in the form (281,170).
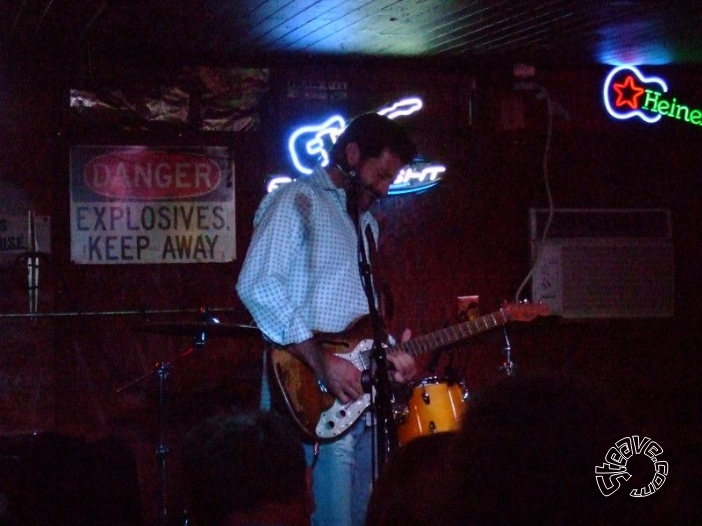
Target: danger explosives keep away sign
(137,204)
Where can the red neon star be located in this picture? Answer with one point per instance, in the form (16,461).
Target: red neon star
(628,93)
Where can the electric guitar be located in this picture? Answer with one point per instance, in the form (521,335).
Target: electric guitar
(318,413)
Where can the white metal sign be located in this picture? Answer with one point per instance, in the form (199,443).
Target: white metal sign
(138,204)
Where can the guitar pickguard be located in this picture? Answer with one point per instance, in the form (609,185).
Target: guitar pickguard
(339,417)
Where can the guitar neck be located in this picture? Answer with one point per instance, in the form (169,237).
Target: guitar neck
(436,340)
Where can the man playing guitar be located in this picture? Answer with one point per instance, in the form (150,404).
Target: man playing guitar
(301,277)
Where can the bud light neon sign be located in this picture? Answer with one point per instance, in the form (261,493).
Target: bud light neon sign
(313,140)
(309,145)
(419,176)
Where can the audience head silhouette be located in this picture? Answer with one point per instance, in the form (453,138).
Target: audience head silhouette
(244,469)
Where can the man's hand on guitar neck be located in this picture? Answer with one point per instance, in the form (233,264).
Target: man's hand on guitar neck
(341,377)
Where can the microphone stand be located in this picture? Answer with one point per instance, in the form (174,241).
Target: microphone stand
(386,440)
(508,366)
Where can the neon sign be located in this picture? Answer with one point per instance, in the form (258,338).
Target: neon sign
(276,181)
(629,93)
(309,146)
(401,108)
(311,139)
(416,178)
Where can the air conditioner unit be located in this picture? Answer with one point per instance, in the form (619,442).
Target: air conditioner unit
(603,263)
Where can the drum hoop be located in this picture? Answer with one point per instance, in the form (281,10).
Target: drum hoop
(436,380)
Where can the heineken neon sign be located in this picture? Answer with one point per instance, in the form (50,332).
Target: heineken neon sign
(628,93)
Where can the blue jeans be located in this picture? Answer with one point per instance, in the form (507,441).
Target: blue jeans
(342,472)
(342,477)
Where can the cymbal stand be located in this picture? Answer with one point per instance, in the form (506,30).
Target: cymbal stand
(161,371)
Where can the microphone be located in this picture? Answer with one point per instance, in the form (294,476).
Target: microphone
(350,174)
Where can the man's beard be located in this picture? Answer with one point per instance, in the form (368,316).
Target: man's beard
(362,196)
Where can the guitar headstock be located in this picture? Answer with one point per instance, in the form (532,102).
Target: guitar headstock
(524,311)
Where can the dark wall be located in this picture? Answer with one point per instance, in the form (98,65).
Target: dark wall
(469,235)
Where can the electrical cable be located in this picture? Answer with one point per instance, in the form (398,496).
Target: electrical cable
(547,186)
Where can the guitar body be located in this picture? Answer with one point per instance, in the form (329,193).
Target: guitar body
(319,414)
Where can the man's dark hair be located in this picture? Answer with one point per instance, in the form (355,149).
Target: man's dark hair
(240,463)
(373,133)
